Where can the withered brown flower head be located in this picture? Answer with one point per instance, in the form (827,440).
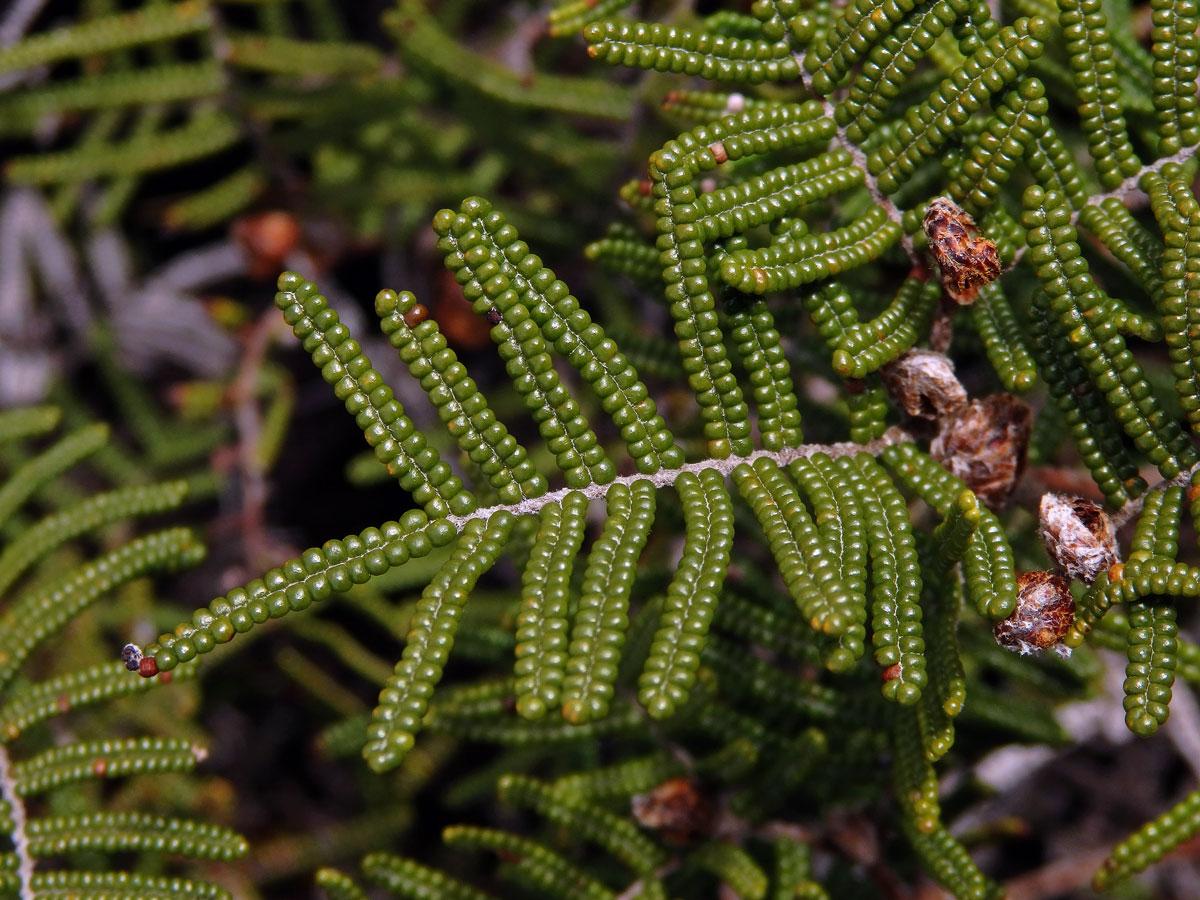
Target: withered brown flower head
(985,444)
(1078,535)
(1044,614)
(675,809)
(968,260)
(923,383)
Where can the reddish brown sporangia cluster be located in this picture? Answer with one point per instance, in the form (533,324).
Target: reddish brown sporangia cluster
(675,809)
(924,385)
(968,260)
(985,444)
(1079,536)
(1044,614)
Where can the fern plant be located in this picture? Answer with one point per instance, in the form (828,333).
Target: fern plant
(887,175)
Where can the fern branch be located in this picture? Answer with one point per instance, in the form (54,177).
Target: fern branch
(18,834)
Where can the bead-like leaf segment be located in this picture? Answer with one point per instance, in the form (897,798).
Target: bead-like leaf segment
(103,759)
(411,879)
(891,64)
(423,40)
(996,324)
(333,568)
(690,52)
(759,200)
(760,348)
(896,630)
(542,640)
(789,264)
(388,430)
(63,884)
(1053,167)
(125,831)
(39,614)
(1130,242)
(404,700)
(943,699)
(1178,214)
(18,424)
(338,885)
(552,874)
(988,564)
(830,488)
(673,172)
(42,538)
(602,618)
(469,253)
(1095,434)
(927,126)
(1175,46)
(1077,305)
(150,24)
(805,561)
(913,775)
(835,51)
(733,866)
(205,133)
(1134,581)
(497,271)
(48,465)
(30,704)
(948,861)
(1000,147)
(572,15)
(692,595)
(1151,842)
(616,834)
(1093,66)
(868,346)
(1151,649)
(460,404)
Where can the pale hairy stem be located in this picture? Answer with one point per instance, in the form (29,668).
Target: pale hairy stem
(20,840)
(668,477)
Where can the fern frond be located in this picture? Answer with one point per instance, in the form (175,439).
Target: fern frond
(53,531)
(153,23)
(48,465)
(39,614)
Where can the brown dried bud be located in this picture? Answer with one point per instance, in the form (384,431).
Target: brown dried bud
(985,444)
(268,238)
(968,260)
(923,383)
(1044,614)
(676,809)
(1079,536)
